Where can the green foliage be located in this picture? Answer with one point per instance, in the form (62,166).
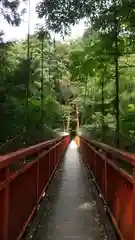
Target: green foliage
(61,14)
(82,72)
(13,88)
(92,65)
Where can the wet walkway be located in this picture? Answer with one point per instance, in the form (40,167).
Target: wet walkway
(71,212)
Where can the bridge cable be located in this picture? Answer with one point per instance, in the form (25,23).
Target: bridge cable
(42,78)
(49,64)
(5,144)
(84,102)
(116,29)
(28,75)
(56,76)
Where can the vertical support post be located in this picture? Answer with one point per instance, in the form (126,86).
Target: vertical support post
(68,120)
(116,74)
(37,182)
(133,237)
(49,164)
(105,181)
(42,79)
(77,117)
(103,110)
(95,161)
(49,63)
(64,126)
(84,102)
(6,223)
(37,191)
(28,77)
(55,158)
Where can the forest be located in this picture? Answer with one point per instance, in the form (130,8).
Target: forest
(43,81)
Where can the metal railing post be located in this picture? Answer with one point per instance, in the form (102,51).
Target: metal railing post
(133,238)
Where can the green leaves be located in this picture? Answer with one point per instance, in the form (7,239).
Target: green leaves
(57,89)
(61,14)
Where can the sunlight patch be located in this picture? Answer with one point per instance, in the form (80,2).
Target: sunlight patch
(87,206)
(73,144)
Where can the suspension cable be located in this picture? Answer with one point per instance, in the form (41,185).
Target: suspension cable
(12,139)
(54,47)
(42,78)
(116,73)
(126,136)
(84,102)
(28,76)
(49,63)
(103,108)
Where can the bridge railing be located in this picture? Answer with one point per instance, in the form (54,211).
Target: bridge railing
(115,183)
(24,176)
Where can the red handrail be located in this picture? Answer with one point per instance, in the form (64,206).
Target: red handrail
(22,184)
(117,187)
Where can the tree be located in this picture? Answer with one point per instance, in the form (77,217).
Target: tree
(13,87)
(61,14)
(10,11)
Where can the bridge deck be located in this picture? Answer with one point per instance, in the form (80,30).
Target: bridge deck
(70,212)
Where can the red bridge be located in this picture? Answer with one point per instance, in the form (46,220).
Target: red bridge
(55,191)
